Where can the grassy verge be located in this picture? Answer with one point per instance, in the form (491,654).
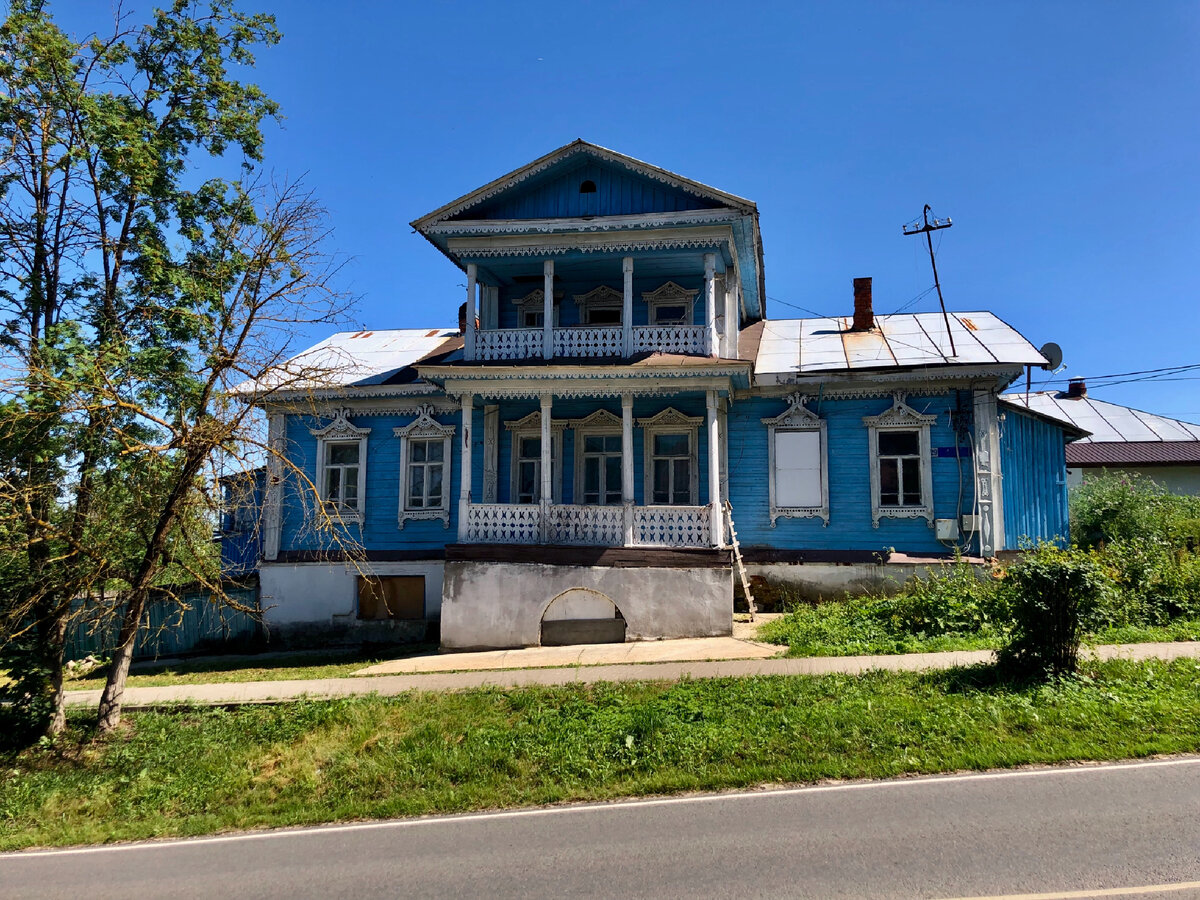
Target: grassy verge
(317,664)
(197,771)
(846,628)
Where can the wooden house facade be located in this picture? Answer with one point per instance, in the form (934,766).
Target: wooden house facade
(566,465)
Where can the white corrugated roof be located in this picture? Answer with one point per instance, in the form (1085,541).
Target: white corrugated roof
(360,358)
(1107,422)
(800,346)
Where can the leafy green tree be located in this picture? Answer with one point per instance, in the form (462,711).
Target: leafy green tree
(135,297)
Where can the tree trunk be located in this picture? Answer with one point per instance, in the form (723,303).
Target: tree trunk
(52,632)
(114,686)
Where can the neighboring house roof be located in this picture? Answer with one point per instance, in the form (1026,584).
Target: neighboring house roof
(1119,435)
(364,358)
(911,340)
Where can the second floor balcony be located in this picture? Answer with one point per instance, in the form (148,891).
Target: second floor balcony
(592,341)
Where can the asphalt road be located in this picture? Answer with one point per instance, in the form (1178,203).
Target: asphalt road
(1134,827)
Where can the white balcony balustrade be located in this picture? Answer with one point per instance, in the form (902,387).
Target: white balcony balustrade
(590,342)
(689,339)
(509,343)
(597,526)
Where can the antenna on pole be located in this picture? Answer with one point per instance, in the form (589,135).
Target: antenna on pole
(927,229)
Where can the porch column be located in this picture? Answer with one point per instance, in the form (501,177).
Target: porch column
(714,470)
(732,315)
(547,492)
(469,329)
(988,484)
(464,492)
(710,302)
(548,309)
(627,305)
(627,496)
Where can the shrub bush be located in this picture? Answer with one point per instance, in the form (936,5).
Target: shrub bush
(1054,594)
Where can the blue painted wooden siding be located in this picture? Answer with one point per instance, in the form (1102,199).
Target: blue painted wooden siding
(850,525)
(380,529)
(568,311)
(555,194)
(1034,468)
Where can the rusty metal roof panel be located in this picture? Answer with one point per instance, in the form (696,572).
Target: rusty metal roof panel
(903,340)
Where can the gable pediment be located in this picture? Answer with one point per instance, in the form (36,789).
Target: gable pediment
(583,180)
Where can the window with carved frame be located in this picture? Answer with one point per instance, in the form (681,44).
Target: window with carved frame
(901,468)
(426,446)
(342,467)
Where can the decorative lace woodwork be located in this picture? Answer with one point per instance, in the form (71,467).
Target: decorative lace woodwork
(596,526)
(504,523)
(509,343)
(687,339)
(671,526)
(588,342)
(600,526)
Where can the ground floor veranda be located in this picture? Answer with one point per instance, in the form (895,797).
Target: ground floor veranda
(606,467)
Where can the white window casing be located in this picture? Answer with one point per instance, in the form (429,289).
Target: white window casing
(604,426)
(419,443)
(668,423)
(663,300)
(531,427)
(532,306)
(603,298)
(342,467)
(798,463)
(901,418)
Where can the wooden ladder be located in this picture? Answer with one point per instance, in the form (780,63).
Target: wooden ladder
(737,555)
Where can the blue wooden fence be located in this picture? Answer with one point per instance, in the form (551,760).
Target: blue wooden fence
(189,623)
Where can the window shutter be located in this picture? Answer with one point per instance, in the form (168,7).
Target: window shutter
(798,468)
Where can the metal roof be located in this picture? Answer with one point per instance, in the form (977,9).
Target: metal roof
(910,340)
(359,358)
(1134,453)
(1107,422)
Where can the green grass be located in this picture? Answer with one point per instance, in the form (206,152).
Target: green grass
(317,664)
(197,771)
(846,628)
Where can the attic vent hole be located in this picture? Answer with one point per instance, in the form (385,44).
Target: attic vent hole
(588,187)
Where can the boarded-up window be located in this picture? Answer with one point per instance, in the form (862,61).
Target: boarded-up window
(798,468)
(393,597)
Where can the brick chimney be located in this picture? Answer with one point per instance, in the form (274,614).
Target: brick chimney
(462,318)
(1076,389)
(864,316)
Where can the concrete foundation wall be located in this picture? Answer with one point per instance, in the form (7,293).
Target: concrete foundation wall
(495,605)
(812,582)
(316,604)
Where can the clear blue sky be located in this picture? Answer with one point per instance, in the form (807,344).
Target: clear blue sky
(1063,139)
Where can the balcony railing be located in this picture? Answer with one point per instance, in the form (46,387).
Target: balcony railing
(598,526)
(591,341)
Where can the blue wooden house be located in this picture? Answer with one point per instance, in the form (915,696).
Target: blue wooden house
(567,464)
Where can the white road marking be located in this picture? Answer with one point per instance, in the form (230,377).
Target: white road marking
(613,806)
(1139,891)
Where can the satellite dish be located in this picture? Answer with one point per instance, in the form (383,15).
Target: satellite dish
(1053,354)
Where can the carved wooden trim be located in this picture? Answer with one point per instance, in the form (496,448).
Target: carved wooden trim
(797,417)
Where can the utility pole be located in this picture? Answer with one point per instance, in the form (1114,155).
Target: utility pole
(928,228)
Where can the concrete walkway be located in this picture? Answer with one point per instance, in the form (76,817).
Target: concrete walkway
(682,650)
(390,685)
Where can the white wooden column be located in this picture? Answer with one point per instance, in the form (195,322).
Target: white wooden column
(273,489)
(547,492)
(988,483)
(710,302)
(548,309)
(469,330)
(714,470)
(464,492)
(732,315)
(627,496)
(491,450)
(627,306)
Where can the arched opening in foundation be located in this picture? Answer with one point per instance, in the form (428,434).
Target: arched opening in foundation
(582,616)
